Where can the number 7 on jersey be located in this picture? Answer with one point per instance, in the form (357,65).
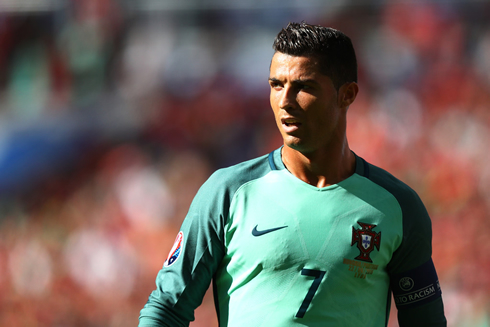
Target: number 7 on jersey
(318,274)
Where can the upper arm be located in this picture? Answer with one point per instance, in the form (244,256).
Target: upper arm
(193,260)
(413,277)
(427,315)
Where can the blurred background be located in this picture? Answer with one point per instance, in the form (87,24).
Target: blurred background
(113,113)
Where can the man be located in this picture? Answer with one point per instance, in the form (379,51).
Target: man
(310,234)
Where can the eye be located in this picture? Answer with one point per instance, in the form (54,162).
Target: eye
(275,84)
(303,87)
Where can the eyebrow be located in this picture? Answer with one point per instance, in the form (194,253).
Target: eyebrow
(305,81)
(296,81)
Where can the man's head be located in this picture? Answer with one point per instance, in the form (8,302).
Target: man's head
(333,49)
(313,82)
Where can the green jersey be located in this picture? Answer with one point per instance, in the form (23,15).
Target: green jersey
(281,252)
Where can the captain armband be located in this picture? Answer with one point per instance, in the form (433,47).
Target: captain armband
(416,287)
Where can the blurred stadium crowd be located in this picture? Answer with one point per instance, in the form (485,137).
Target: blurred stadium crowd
(113,114)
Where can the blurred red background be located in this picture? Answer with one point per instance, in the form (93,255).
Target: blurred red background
(113,114)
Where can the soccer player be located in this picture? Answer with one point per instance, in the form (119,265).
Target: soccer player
(311,234)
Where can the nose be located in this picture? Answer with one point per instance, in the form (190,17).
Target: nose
(287,98)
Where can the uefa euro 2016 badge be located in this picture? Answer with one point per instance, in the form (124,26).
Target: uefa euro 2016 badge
(176,250)
(366,240)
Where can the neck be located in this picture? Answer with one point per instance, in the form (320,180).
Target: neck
(320,168)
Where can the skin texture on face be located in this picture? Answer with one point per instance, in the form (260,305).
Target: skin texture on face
(310,114)
(304,102)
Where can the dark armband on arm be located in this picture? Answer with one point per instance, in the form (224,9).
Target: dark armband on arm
(416,287)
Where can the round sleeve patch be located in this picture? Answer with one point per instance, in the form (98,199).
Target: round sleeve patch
(176,250)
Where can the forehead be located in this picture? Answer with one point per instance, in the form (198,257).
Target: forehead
(294,65)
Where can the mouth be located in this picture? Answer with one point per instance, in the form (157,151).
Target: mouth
(290,122)
(290,125)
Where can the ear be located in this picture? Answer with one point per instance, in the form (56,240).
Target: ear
(347,94)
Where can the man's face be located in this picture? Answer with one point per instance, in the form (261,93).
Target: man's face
(305,104)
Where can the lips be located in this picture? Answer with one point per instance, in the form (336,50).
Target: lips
(290,121)
(290,124)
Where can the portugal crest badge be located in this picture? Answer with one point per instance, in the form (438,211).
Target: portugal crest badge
(366,240)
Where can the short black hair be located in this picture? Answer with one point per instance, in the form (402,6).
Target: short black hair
(332,47)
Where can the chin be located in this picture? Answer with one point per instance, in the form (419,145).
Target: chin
(292,142)
(301,146)
(297,145)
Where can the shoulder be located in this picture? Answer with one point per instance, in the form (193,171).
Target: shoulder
(224,182)
(415,248)
(210,207)
(407,198)
(234,176)
(244,171)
